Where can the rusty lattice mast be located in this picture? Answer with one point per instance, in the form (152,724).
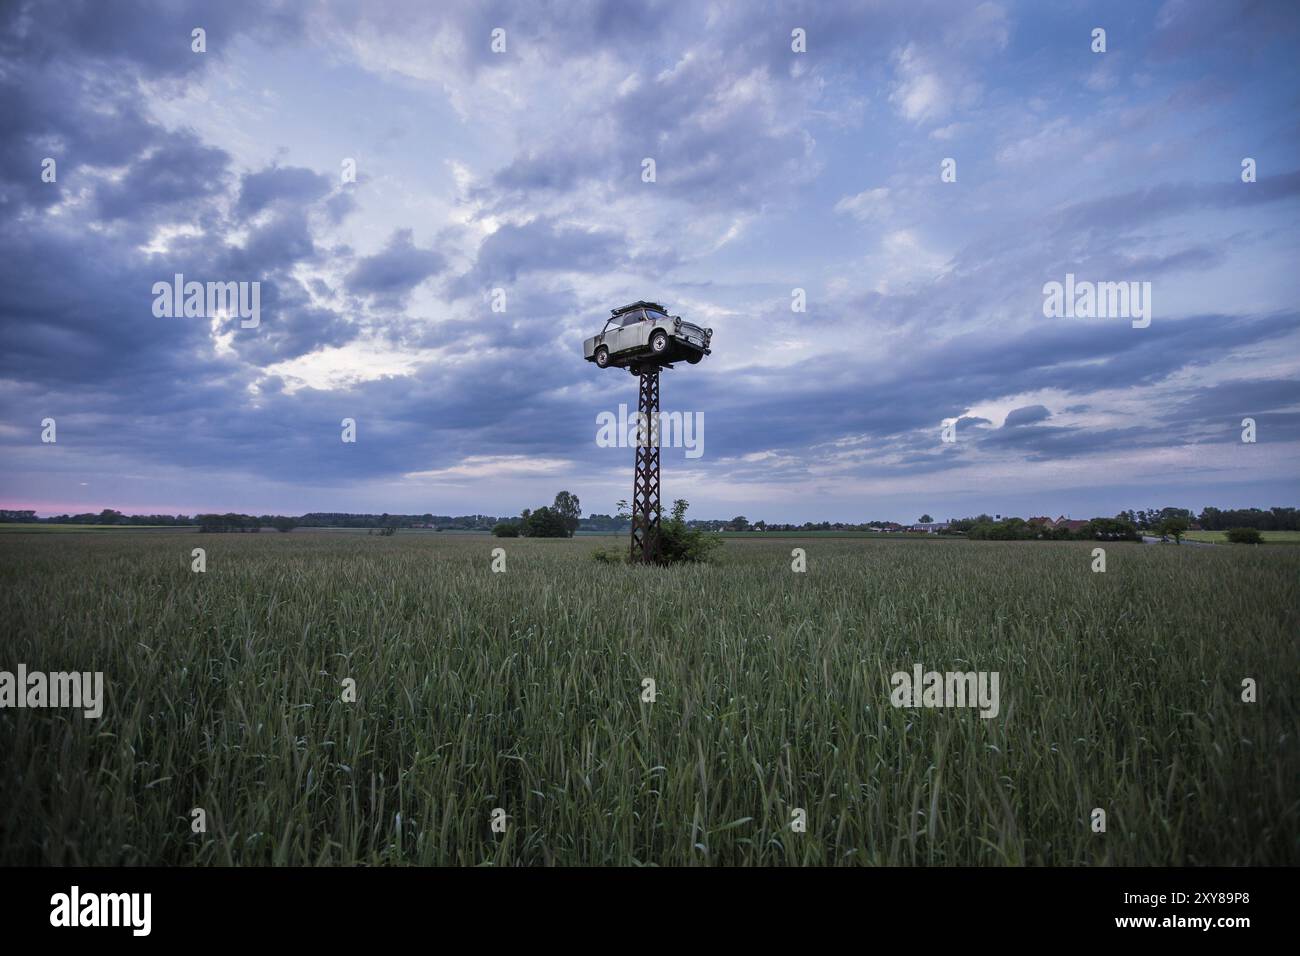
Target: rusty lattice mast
(646,506)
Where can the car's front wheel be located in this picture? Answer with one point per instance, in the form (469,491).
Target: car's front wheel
(694,359)
(659,342)
(602,357)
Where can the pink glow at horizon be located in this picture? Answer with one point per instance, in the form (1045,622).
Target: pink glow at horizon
(45,509)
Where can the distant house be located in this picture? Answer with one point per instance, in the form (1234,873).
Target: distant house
(929,527)
(1065,524)
(1045,521)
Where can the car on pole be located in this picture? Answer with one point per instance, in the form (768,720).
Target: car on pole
(643,335)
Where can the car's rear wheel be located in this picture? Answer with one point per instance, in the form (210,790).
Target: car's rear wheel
(659,342)
(694,359)
(602,357)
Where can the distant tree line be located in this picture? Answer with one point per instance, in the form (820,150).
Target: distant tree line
(237,523)
(107,516)
(1274,519)
(336,519)
(606,523)
(563,518)
(985,528)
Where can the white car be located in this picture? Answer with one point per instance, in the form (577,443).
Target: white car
(643,334)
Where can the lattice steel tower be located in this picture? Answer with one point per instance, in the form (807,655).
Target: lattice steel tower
(646,505)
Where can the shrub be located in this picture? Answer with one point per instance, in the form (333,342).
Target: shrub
(1012,529)
(1245,536)
(676,542)
(506,529)
(1112,529)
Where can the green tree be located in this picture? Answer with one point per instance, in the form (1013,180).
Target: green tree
(926,519)
(1174,526)
(545,523)
(569,509)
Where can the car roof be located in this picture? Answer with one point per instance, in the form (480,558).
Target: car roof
(638,305)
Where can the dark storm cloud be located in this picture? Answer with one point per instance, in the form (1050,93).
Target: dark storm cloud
(281,242)
(291,326)
(70,87)
(152,38)
(1141,207)
(76,309)
(817,402)
(176,171)
(1051,443)
(1240,397)
(709,148)
(76,299)
(292,185)
(1215,412)
(1210,27)
(396,270)
(898,410)
(1026,415)
(542,245)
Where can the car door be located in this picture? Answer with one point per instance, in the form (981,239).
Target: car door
(636,331)
(612,336)
(623,336)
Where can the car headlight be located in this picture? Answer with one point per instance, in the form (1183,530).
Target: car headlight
(677,323)
(708,333)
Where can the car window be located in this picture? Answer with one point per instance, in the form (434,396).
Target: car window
(632,318)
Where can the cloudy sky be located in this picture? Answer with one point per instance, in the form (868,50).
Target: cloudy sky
(775,171)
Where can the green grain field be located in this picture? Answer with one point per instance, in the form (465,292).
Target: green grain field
(1221,537)
(522,691)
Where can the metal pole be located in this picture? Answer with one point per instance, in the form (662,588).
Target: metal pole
(645,481)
